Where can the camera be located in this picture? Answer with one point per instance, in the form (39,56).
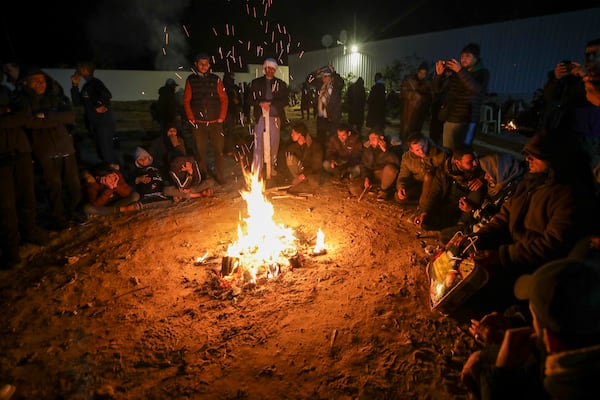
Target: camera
(567,64)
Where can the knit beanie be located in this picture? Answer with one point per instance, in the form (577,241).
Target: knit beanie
(472,48)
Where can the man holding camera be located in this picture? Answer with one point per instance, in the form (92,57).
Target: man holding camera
(464,92)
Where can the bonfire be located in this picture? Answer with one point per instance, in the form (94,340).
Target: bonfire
(263,247)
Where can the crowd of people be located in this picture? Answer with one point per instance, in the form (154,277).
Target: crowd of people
(534,220)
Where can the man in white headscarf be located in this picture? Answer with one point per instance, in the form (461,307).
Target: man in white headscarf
(269,96)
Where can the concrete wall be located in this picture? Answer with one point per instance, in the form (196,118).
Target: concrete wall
(144,85)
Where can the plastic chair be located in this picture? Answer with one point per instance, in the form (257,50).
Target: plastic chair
(490,120)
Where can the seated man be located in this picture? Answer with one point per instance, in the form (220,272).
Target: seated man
(502,174)
(417,168)
(304,159)
(108,193)
(457,187)
(563,301)
(187,180)
(343,153)
(377,166)
(548,213)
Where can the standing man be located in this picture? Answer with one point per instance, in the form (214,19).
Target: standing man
(464,94)
(98,114)
(52,145)
(356,97)
(416,103)
(329,102)
(234,109)
(17,203)
(270,96)
(168,106)
(376,105)
(205,103)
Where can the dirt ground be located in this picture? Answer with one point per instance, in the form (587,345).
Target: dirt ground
(120,308)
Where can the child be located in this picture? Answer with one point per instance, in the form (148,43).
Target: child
(108,193)
(149,182)
(185,174)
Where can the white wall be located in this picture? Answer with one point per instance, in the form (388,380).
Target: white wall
(143,85)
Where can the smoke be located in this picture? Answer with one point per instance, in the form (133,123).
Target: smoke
(125,33)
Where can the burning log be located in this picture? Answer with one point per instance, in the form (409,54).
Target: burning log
(229,265)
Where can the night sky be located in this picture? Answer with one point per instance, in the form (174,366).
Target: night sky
(165,35)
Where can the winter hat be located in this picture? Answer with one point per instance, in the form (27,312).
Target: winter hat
(423,65)
(141,153)
(542,146)
(33,71)
(201,56)
(472,48)
(270,62)
(171,82)
(565,296)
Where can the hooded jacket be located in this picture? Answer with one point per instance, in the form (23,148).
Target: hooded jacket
(546,215)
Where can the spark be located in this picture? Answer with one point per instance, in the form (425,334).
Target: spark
(186,31)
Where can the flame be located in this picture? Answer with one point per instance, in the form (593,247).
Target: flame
(511,126)
(320,245)
(262,245)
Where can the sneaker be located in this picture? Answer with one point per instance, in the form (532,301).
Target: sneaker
(135,206)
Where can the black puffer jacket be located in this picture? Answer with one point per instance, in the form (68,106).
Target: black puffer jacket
(465,92)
